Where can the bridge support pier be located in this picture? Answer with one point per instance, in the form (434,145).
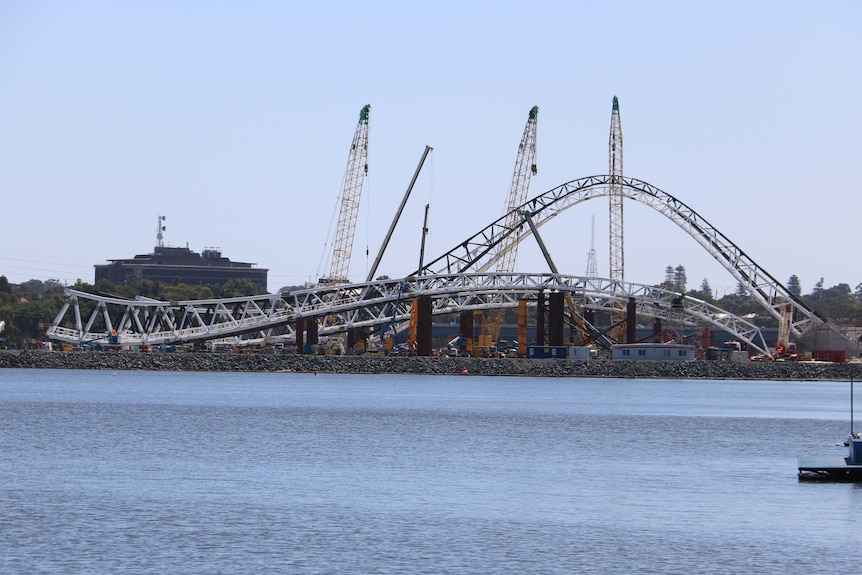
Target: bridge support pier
(299,327)
(424,324)
(311,330)
(522,328)
(465,331)
(556,326)
(656,330)
(631,321)
(540,319)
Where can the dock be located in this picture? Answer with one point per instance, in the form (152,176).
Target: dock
(834,468)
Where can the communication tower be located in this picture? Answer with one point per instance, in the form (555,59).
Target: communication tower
(592,265)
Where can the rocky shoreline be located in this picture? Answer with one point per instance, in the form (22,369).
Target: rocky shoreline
(786,371)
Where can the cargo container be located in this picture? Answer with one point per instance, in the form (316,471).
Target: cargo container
(547,351)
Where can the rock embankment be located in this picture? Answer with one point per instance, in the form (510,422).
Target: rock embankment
(430,365)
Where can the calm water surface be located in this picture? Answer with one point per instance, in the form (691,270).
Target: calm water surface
(154,472)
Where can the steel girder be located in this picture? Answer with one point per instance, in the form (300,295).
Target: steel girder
(87,318)
(478,253)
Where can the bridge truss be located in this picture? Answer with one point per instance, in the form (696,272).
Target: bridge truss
(87,318)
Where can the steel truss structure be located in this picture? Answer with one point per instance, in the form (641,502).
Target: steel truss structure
(86,318)
(478,251)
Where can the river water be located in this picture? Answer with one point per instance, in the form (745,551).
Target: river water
(165,472)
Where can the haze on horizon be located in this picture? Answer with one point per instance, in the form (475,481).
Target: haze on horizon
(234,121)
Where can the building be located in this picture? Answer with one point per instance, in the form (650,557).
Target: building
(167,264)
(653,351)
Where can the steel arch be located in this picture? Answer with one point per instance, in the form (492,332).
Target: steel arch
(477,252)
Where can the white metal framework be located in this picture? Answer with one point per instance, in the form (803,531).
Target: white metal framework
(354,176)
(88,318)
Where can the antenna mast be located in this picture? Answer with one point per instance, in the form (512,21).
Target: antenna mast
(159,229)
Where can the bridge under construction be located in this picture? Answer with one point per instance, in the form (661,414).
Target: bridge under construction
(461,281)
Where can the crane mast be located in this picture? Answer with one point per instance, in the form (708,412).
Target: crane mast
(615,145)
(525,168)
(354,177)
(615,196)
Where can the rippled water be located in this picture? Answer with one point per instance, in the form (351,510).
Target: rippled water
(153,472)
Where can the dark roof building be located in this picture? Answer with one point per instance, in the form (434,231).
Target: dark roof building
(167,264)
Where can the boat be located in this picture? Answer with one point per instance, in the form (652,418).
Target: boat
(836,468)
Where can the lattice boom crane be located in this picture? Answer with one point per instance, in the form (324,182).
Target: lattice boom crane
(615,167)
(354,177)
(525,168)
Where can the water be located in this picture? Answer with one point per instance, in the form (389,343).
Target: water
(153,472)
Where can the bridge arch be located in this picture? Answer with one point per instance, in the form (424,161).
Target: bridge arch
(479,252)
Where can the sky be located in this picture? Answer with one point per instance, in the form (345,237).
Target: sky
(234,120)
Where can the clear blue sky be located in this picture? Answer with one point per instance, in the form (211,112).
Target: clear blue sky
(234,120)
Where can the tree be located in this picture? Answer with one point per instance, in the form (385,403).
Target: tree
(704,293)
(706,288)
(668,277)
(794,286)
(817,292)
(741,290)
(679,278)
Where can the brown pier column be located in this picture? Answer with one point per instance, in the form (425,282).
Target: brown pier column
(540,319)
(556,327)
(631,321)
(424,324)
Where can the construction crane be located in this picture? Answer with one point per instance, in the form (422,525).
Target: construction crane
(525,168)
(354,177)
(615,169)
(615,195)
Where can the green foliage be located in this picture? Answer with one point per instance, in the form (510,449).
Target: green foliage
(794,286)
(30,307)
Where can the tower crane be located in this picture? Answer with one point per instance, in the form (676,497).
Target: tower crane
(354,177)
(525,168)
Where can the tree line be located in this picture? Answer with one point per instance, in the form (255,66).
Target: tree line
(27,309)
(839,303)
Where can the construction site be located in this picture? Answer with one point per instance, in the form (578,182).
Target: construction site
(472,300)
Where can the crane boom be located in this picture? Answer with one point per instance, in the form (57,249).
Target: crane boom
(525,168)
(354,177)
